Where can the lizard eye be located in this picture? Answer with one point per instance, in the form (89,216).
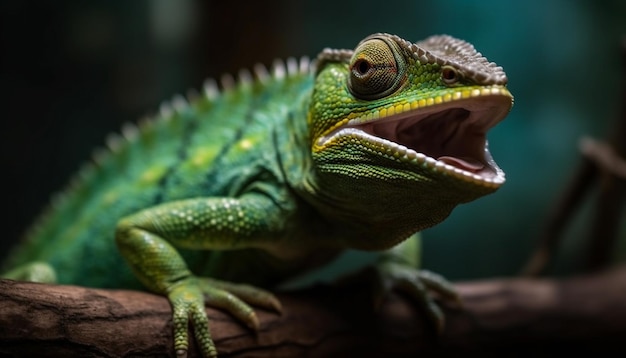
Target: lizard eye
(375,70)
(450,75)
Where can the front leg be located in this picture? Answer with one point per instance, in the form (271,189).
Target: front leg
(398,269)
(147,241)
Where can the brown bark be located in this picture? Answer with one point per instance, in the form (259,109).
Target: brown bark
(512,317)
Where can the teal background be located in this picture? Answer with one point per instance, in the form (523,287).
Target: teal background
(73,71)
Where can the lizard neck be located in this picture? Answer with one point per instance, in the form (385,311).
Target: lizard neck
(374,214)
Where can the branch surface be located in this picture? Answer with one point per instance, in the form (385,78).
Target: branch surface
(515,317)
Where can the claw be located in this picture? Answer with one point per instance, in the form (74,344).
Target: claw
(253,321)
(275,305)
(188,297)
(416,284)
(414,287)
(230,303)
(436,316)
(187,303)
(249,294)
(439,284)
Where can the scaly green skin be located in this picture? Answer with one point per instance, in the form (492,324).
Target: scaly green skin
(278,175)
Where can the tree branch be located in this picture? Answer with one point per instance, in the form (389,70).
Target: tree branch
(513,317)
(603,168)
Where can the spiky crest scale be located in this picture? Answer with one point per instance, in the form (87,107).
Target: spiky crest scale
(227,81)
(279,69)
(211,90)
(130,132)
(260,71)
(179,103)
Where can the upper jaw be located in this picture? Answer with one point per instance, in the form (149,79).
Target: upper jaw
(445,133)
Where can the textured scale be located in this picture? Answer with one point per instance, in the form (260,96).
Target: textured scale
(269,173)
(446,50)
(188,150)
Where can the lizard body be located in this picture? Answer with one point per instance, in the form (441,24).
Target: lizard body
(278,174)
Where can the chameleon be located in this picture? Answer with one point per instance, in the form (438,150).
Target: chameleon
(225,193)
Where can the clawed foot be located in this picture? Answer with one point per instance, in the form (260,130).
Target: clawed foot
(417,284)
(189,296)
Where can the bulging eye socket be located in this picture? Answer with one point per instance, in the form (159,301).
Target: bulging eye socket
(375,70)
(450,75)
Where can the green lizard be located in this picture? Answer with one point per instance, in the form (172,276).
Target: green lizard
(277,174)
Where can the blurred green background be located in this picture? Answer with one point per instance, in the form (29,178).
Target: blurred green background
(73,71)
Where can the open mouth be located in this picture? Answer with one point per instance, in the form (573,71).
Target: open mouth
(448,136)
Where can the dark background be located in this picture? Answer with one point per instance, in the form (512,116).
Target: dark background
(73,71)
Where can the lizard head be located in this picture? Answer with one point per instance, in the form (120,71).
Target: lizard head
(395,124)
